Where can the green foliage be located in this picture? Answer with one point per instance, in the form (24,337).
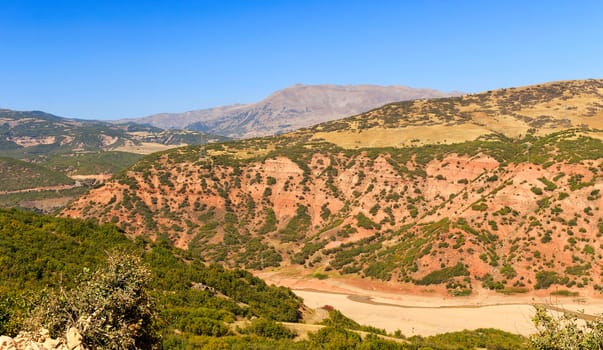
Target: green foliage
(277,303)
(480,206)
(43,251)
(578,270)
(335,338)
(243,342)
(297,226)
(92,163)
(489,282)
(18,175)
(337,319)
(565,293)
(378,270)
(307,250)
(320,276)
(508,271)
(269,222)
(481,338)
(565,332)
(536,190)
(198,302)
(366,223)
(549,185)
(270,181)
(325,212)
(589,249)
(444,275)
(346,254)
(111,308)
(13,310)
(575,182)
(269,329)
(545,279)
(35,246)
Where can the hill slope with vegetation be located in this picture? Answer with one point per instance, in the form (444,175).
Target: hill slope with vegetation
(56,270)
(89,151)
(18,175)
(27,134)
(507,208)
(41,252)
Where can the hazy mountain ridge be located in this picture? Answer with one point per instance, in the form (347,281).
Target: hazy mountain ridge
(85,150)
(36,132)
(508,212)
(289,109)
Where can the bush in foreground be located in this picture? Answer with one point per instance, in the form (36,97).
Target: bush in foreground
(566,332)
(110,308)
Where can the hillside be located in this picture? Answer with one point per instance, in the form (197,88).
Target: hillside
(47,252)
(499,189)
(37,134)
(289,109)
(61,151)
(195,305)
(17,175)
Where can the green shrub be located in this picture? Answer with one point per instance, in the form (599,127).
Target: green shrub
(536,190)
(565,332)
(269,329)
(444,275)
(366,223)
(480,206)
(545,279)
(110,308)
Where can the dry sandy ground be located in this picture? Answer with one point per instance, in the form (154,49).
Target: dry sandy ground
(428,313)
(424,320)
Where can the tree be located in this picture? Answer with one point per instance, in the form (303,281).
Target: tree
(110,308)
(334,338)
(565,332)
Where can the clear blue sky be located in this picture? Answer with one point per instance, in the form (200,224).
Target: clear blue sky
(113,59)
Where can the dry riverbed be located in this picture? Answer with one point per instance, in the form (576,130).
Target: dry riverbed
(428,313)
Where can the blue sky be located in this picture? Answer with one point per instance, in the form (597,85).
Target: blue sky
(115,59)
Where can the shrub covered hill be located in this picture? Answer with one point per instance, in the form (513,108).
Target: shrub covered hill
(118,293)
(500,189)
(31,134)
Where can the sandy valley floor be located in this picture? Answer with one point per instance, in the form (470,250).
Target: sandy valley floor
(423,320)
(416,312)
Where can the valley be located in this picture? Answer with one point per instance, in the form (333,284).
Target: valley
(425,311)
(301,175)
(405,218)
(511,210)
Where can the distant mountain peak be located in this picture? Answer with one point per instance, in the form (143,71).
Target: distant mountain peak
(291,108)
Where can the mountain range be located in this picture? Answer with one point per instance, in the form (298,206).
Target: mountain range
(288,109)
(48,160)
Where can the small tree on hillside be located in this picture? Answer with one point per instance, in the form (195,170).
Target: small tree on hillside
(566,332)
(110,308)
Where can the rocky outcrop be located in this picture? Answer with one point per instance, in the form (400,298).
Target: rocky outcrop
(42,341)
